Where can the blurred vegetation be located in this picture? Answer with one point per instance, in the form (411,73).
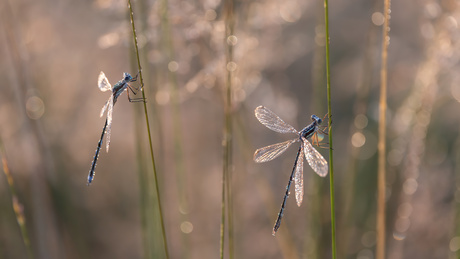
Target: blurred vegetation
(52,53)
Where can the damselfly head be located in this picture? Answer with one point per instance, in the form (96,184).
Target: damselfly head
(127,77)
(316,118)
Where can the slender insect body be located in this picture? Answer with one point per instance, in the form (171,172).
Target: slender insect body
(116,90)
(306,150)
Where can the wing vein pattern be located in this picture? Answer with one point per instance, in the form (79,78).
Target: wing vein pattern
(315,159)
(271,152)
(272,121)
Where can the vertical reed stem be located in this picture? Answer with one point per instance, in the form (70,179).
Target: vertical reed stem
(228,133)
(329,112)
(380,252)
(148,131)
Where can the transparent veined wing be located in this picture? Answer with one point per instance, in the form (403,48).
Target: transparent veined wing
(109,123)
(272,121)
(315,159)
(299,179)
(103,82)
(105,106)
(271,152)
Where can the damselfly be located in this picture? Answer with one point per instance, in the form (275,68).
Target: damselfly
(117,90)
(314,158)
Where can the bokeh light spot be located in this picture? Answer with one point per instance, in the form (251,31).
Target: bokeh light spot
(378,18)
(367,141)
(398,236)
(361,121)
(108,40)
(186,227)
(35,107)
(210,15)
(365,254)
(432,10)
(410,186)
(232,40)
(368,239)
(191,87)
(358,139)
(290,12)
(173,66)
(162,97)
(454,244)
(231,66)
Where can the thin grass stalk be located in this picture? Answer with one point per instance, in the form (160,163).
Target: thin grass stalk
(329,112)
(229,28)
(222,219)
(381,185)
(228,132)
(19,213)
(148,131)
(456,206)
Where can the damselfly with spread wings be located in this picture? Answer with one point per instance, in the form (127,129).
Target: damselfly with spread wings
(314,158)
(117,90)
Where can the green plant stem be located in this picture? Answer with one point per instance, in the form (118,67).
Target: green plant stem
(456,206)
(222,219)
(381,185)
(228,133)
(148,131)
(329,112)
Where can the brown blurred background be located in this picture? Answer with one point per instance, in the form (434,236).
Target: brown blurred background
(52,52)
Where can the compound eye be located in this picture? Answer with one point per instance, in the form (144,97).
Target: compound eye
(316,118)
